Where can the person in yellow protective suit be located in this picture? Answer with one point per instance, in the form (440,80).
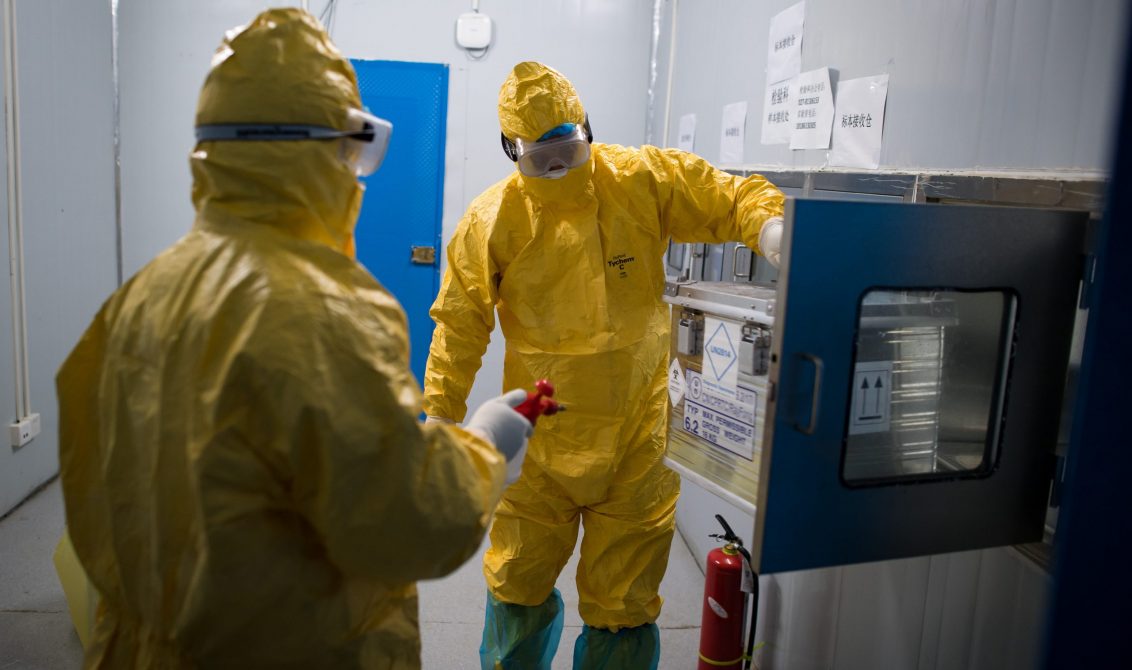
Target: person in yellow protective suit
(246,478)
(569,250)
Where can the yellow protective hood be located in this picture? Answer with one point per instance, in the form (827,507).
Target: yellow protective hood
(535,98)
(280,68)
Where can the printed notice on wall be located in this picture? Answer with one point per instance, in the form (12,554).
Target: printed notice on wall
(731,136)
(858,121)
(727,421)
(777,113)
(812,118)
(686,135)
(784,50)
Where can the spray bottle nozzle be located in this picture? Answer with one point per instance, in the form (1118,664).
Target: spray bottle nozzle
(540,402)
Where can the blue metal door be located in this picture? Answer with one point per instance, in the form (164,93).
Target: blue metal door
(919,359)
(402,208)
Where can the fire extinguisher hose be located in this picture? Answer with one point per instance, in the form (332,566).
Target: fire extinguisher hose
(748,657)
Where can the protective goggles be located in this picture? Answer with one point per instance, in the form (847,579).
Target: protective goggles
(364,147)
(561,149)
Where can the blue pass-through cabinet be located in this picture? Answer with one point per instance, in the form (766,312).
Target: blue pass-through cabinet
(897,393)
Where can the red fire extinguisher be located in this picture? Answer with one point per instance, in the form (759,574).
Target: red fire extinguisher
(725,598)
(539,402)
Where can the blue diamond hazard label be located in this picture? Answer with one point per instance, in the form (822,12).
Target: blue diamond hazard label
(720,352)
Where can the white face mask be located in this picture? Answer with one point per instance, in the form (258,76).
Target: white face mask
(557,170)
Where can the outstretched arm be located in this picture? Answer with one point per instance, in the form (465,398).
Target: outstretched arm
(702,204)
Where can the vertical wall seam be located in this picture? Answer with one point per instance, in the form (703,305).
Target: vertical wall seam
(654,52)
(119,243)
(671,70)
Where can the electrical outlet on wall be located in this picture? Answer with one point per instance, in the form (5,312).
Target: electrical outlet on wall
(25,430)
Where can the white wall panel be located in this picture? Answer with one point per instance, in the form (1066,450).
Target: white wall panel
(975,84)
(67,178)
(882,614)
(164,50)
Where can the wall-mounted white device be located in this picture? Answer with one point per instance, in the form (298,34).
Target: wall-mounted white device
(473,31)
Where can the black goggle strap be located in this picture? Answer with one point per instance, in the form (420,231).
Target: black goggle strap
(513,153)
(275,132)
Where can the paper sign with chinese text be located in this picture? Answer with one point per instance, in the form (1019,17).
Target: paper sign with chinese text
(731,136)
(686,135)
(812,115)
(858,122)
(784,50)
(778,113)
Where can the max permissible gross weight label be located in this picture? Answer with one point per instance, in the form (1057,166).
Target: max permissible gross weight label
(726,422)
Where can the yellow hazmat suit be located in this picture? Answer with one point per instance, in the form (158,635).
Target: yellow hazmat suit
(574,268)
(246,480)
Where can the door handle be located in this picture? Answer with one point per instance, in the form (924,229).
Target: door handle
(423,255)
(811,427)
(735,262)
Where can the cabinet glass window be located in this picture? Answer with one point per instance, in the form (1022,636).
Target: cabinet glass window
(928,382)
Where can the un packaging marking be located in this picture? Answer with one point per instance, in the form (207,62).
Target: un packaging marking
(726,422)
(872,398)
(721,357)
(676,383)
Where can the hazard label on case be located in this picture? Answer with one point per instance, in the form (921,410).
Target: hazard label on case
(675,382)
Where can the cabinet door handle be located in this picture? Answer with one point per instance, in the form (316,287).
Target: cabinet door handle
(811,427)
(735,263)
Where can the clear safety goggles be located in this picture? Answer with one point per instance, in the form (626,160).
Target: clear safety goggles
(553,157)
(363,148)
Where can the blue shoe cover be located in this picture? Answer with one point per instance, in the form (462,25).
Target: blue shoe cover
(517,637)
(636,648)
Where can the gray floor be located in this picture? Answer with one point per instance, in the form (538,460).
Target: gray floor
(36,632)
(35,627)
(452,611)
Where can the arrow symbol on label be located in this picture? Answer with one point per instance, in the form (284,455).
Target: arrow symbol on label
(877,387)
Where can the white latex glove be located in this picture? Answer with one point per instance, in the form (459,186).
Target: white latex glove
(770,240)
(497,422)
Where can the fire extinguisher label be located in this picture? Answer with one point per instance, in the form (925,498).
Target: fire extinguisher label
(716,607)
(748,585)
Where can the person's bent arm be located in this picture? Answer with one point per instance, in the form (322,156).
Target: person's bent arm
(702,204)
(391,498)
(464,313)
